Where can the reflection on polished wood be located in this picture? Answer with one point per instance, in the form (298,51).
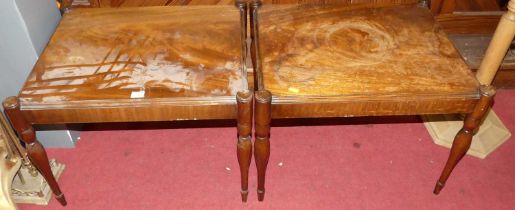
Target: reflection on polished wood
(361,60)
(122,60)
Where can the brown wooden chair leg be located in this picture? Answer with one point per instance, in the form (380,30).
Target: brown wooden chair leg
(463,139)
(244,147)
(262,142)
(35,150)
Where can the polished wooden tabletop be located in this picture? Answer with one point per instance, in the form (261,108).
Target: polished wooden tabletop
(152,53)
(358,52)
(170,63)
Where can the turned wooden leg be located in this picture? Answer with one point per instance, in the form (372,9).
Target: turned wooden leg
(262,134)
(244,148)
(35,150)
(463,139)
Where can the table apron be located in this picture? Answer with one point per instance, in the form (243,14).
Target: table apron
(130,114)
(372,108)
(228,111)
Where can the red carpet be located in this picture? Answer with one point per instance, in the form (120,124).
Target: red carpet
(335,165)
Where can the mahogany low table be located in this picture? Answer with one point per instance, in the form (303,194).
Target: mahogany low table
(188,63)
(134,64)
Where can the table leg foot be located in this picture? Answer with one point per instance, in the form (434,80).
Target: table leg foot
(61,199)
(244,195)
(35,150)
(463,139)
(262,134)
(439,186)
(261,195)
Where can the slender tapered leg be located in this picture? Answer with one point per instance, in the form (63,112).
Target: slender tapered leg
(463,139)
(263,107)
(35,150)
(244,148)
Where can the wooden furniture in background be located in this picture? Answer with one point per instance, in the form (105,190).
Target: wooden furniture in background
(362,60)
(450,6)
(134,64)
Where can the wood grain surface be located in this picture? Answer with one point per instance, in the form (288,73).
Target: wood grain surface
(359,53)
(111,57)
(140,3)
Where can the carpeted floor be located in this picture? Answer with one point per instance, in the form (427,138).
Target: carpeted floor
(363,163)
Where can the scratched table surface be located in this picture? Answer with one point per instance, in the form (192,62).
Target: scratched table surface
(338,52)
(145,53)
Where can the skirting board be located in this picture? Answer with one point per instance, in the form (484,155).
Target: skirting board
(490,136)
